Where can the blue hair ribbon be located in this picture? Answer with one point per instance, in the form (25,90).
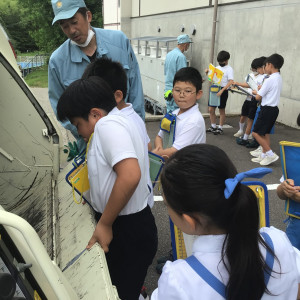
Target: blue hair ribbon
(231,183)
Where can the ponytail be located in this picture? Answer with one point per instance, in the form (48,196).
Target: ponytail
(246,264)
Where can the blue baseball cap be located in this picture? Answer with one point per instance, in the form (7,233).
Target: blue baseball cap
(184,38)
(65,9)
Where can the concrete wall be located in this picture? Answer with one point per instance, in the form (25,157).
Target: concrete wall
(247,29)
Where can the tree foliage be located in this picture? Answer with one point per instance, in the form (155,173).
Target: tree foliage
(29,23)
(16,27)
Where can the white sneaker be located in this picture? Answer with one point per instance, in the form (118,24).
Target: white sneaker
(240,133)
(269,159)
(256,152)
(257,159)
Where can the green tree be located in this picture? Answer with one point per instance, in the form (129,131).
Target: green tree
(39,14)
(16,27)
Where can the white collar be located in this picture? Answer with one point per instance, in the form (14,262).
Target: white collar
(209,243)
(187,113)
(128,110)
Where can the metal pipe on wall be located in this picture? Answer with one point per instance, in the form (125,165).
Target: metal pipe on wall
(213,34)
(213,37)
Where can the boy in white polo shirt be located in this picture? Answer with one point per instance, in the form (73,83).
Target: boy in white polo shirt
(114,74)
(269,94)
(119,191)
(190,125)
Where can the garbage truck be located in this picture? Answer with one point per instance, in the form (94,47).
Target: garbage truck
(43,232)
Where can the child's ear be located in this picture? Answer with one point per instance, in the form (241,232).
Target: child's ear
(199,94)
(118,96)
(97,113)
(190,221)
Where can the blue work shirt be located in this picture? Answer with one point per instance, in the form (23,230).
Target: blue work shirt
(175,60)
(68,62)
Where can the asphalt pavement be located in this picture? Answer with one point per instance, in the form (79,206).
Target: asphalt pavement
(238,154)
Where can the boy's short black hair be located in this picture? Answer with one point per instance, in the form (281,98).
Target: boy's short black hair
(276,60)
(189,74)
(258,62)
(223,56)
(298,120)
(82,95)
(111,71)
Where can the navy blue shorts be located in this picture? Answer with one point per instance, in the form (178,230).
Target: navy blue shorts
(266,119)
(131,251)
(249,108)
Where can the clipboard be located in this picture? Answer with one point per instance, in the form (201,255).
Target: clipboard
(245,91)
(252,83)
(290,163)
(156,164)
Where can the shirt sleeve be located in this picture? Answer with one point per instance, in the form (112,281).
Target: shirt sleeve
(190,134)
(265,88)
(169,288)
(55,90)
(161,134)
(135,89)
(297,254)
(117,146)
(230,74)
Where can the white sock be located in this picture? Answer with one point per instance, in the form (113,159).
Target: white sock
(241,126)
(270,153)
(214,125)
(263,155)
(220,126)
(245,137)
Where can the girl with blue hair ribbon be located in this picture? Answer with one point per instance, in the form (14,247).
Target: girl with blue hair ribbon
(232,258)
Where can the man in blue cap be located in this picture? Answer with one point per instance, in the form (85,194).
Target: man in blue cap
(85,44)
(175,60)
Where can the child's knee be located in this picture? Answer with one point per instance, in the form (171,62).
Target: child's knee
(211,110)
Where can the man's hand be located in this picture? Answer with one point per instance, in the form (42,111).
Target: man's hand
(103,235)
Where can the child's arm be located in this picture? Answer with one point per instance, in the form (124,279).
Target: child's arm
(256,96)
(158,142)
(230,82)
(159,150)
(165,153)
(128,177)
(287,190)
(242,84)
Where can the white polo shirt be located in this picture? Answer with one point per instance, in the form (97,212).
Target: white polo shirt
(180,282)
(228,74)
(141,129)
(114,140)
(270,90)
(190,128)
